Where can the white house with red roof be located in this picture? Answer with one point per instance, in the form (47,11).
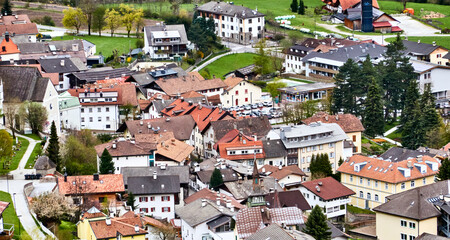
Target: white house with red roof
(329,194)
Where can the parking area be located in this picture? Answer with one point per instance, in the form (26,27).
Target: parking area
(257,109)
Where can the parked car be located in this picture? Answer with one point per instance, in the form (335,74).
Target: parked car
(254,106)
(260,105)
(247,107)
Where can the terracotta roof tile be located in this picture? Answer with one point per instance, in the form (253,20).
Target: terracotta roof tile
(345,4)
(206,193)
(143,103)
(15,19)
(283,172)
(348,122)
(3,206)
(232,81)
(292,198)
(192,82)
(174,150)
(107,183)
(10,48)
(387,171)
(239,141)
(328,188)
(104,231)
(126,148)
(191,94)
(19,29)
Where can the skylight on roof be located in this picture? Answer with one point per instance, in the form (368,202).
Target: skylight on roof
(351,164)
(385,171)
(369,167)
(381,169)
(376,169)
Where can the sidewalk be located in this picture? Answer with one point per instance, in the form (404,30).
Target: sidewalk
(20,172)
(384,137)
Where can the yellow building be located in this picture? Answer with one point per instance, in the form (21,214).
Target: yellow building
(96,225)
(351,125)
(426,52)
(375,179)
(408,214)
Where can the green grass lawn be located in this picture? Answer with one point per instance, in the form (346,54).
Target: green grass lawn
(33,136)
(106,45)
(396,7)
(299,80)
(229,63)
(388,126)
(396,136)
(32,159)
(16,159)
(441,41)
(357,210)
(10,217)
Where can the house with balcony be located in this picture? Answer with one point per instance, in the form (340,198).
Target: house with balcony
(238,147)
(303,141)
(433,75)
(234,23)
(374,179)
(165,41)
(351,125)
(329,194)
(305,92)
(326,65)
(431,53)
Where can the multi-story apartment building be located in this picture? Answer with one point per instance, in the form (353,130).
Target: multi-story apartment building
(326,65)
(433,75)
(351,125)
(165,41)
(329,194)
(70,111)
(375,179)
(234,23)
(155,195)
(304,141)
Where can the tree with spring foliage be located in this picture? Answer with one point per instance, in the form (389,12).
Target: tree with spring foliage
(53,148)
(113,20)
(373,112)
(73,18)
(294,6)
(262,60)
(316,225)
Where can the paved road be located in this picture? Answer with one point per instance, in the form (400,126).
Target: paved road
(20,172)
(54,7)
(60,31)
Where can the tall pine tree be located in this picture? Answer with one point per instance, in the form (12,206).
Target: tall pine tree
(216,179)
(301,8)
(412,95)
(316,225)
(373,113)
(444,170)
(430,118)
(6,9)
(294,6)
(345,94)
(413,134)
(106,163)
(53,147)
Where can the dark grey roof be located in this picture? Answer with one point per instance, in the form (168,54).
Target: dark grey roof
(177,27)
(249,126)
(181,171)
(447,56)
(299,50)
(23,84)
(148,185)
(44,163)
(273,231)
(415,203)
(335,232)
(416,48)
(427,236)
(396,154)
(101,74)
(160,104)
(218,222)
(228,9)
(58,65)
(293,198)
(143,79)
(228,175)
(247,69)
(357,53)
(242,190)
(194,213)
(339,16)
(42,47)
(274,148)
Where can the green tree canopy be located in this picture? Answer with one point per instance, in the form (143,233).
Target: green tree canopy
(301,8)
(98,19)
(316,225)
(430,118)
(53,147)
(80,157)
(131,201)
(35,115)
(216,179)
(373,116)
(294,6)
(106,163)
(6,143)
(444,170)
(262,59)
(73,18)
(7,8)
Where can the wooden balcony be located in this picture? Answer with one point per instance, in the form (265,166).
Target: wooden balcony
(328,70)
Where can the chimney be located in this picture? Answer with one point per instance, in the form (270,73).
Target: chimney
(203,202)
(108,221)
(337,116)
(409,164)
(114,146)
(95,176)
(65,177)
(136,228)
(434,43)
(419,158)
(162,186)
(7,36)
(229,203)
(221,208)
(218,201)
(155,175)
(141,123)
(418,41)
(62,63)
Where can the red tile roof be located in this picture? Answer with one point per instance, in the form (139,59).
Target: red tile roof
(192,82)
(283,172)
(174,150)
(206,193)
(107,183)
(387,171)
(239,141)
(328,188)
(446,147)
(126,148)
(345,4)
(231,82)
(348,122)
(191,94)
(179,107)
(126,94)
(19,29)
(104,231)
(14,19)
(10,47)
(143,103)
(396,29)
(381,24)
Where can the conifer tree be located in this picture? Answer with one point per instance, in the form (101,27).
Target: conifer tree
(131,201)
(6,9)
(444,170)
(301,8)
(430,118)
(294,6)
(345,93)
(53,147)
(325,165)
(216,179)
(373,116)
(413,134)
(316,225)
(106,163)
(411,98)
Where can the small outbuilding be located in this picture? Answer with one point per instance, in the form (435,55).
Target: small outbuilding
(44,166)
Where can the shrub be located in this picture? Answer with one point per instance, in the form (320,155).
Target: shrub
(190,61)
(278,37)
(140,43)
